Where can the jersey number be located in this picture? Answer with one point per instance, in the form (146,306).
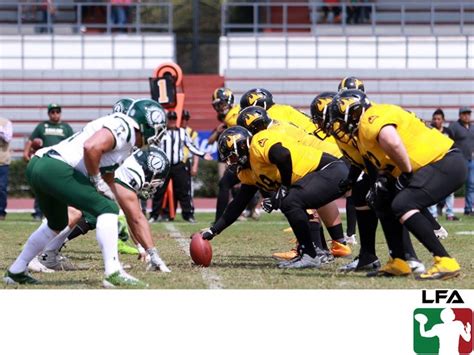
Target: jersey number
(267,183)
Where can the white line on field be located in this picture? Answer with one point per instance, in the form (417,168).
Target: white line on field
(209,277)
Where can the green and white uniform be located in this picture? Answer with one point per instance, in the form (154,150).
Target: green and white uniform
(59,178)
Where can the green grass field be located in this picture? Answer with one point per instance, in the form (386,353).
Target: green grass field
(242,258)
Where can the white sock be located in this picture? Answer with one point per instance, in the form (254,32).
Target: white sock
(56,243)
(107,236)
(35,243)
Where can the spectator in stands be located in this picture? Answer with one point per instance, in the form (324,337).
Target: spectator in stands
(358,14)
(335,10)
(173,143)
(6,133)
(48,133)
(463,135)
(46,9)
(438,121)
(119,14)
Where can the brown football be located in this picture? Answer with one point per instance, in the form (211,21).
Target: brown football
(36,144)
(200,250)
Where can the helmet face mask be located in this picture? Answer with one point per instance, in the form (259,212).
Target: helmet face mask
(222,100)
(257,97)
(254,118)
(150,117)
(155,165)
(233,146)
(345,112)
(320,112)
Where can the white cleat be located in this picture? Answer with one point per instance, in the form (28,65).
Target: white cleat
(36,266)
(416,266)
(441,233)
(351,239)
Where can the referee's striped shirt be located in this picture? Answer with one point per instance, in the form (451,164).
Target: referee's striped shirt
(173,143)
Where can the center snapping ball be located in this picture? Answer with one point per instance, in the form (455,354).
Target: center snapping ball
(200,250)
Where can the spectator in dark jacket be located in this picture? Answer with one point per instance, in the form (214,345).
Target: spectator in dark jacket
(463,135)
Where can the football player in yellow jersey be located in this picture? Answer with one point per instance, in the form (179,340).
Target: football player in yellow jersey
(419,160)
(223,103)
(367,218)
(256,119)
(285,113)
(301,177)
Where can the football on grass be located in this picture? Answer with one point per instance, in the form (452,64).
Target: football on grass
(200,250)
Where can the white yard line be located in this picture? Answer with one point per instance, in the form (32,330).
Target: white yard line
(211,279)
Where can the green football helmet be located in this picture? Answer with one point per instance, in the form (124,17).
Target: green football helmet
(122,105)
(156,167)
(151,118)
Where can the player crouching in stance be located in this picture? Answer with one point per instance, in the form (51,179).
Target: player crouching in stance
(418,161)
(300,177)
(74,173)
(138,177)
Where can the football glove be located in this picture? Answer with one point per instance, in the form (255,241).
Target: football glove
(267,205)
(277,198)
(378,193)
(403,181)
(101,186)
(155,263)
(208,234)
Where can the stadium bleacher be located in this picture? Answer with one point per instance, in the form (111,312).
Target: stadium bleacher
(418,90)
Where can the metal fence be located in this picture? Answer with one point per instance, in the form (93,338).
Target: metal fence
(353,18)
(30,16)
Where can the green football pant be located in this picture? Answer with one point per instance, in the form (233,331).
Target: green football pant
(57,185)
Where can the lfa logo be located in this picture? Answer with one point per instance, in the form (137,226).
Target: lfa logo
(443,331)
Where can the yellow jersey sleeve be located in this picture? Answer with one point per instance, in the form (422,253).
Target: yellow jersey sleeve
(230,119)
(424,145)
(286,113)
(293,131)
(305,159)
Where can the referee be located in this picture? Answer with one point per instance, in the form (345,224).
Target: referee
(173,143)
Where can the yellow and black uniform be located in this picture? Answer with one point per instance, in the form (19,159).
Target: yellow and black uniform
(304,158)
(437,169)
(278,160)
(424,145)
(230,118)
(286,113)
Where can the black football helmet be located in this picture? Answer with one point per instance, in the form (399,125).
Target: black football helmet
(257,97)
(345,111)
(254,118)
(351,83)
(233,146)
(156,167)
(222,100)
(319,109)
